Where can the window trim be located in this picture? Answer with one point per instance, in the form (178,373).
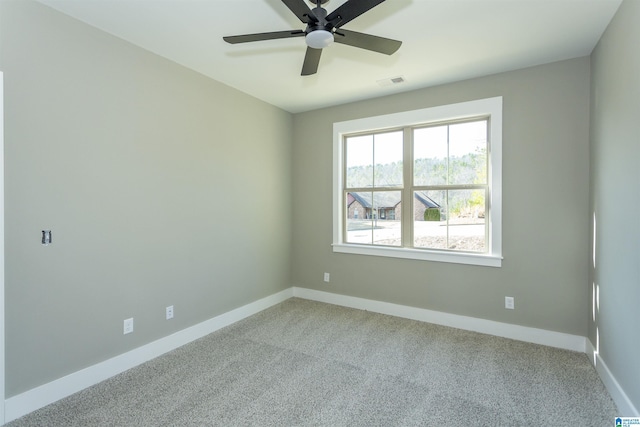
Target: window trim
(491,107)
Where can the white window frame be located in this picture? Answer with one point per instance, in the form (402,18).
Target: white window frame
(491,107)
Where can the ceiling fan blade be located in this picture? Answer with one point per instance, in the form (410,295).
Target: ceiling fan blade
(311,61)
(367,41)
(263,36)
(351,10)
(301,10)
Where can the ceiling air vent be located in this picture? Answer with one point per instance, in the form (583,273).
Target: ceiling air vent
(391,81)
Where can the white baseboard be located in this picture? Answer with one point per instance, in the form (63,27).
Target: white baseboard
(622,401)
(505,330)
(29,401)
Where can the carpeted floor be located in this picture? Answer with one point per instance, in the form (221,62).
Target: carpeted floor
(304,363)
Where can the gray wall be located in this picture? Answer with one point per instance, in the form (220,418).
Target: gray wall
(545,210)
(615,196)
(161,187)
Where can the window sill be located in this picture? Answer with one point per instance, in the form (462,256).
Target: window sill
(485,260)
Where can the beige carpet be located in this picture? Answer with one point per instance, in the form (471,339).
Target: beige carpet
(303,363)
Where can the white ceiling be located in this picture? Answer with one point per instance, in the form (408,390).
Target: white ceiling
(443,41)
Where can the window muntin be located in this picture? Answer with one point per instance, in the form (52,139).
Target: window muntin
(461,191)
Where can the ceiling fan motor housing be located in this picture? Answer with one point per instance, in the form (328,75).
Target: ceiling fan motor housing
(319,34)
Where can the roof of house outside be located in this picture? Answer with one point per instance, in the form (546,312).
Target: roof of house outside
(426,200)
(390,199)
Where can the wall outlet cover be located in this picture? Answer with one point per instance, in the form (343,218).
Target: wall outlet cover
(509,303)
(128,326)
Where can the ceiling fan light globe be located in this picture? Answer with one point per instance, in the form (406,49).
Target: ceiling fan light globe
(319,39)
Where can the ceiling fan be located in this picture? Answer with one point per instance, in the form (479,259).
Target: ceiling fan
(323,29)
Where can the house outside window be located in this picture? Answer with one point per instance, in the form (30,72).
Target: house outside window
(428,182)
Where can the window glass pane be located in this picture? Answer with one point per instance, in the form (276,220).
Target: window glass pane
(359,220)
(430,156)
(468,153)
(466,221)
(387,153)
(374,218)
(429,219)
(386,217)
(359,161)
(450,219)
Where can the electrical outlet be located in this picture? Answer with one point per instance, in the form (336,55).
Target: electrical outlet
(169,312)
(128,326)
(510,303)
(327,276)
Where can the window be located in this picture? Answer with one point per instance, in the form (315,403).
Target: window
(423,184)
